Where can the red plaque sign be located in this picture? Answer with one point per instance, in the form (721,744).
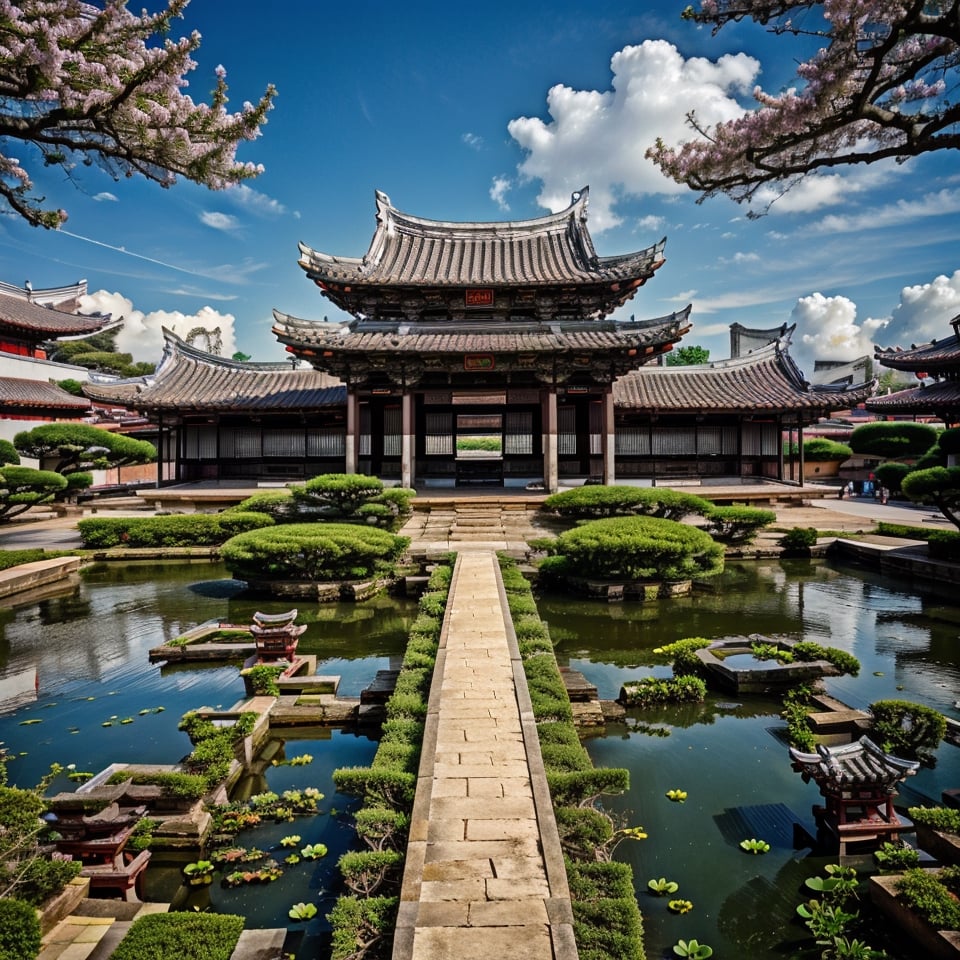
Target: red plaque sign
(478,362)
(479,297)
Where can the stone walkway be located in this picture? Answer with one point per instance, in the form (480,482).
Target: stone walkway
(484,876)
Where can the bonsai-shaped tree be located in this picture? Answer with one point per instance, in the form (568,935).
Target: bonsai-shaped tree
(78,448)
(938,487)
(893,440)
(351,497)
(23,487)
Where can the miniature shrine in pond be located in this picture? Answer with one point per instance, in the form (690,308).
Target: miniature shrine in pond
(480,353)
(858,782)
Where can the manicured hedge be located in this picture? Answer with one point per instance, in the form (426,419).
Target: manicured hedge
(19,930)
(186,936)
(176,530)
(595,501)
(634,548)
(824,449)
(737,524)
(893,439)
(313,551)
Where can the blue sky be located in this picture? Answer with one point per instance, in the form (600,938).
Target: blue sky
(498,111)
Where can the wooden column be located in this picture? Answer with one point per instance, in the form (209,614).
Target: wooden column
(407,446)
(609,440)
(353,424)
(550,478)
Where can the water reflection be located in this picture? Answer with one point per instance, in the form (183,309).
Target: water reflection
(731,757)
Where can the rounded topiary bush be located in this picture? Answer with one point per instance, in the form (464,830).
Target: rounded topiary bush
(19,930)
(313,552)
(635,548)
(589,502)
(824,449)
(894,439)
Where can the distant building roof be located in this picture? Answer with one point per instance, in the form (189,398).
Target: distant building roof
(419,255)
(189,380)
(765,380)
(26,396)
(861,763)
(36,322)
(744,340)
(65,298)
(939,399)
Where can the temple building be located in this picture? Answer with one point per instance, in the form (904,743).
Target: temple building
(480,353)
(938,361)
(29,319)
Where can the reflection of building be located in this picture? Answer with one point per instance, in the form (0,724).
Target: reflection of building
(480,353)
(938,362)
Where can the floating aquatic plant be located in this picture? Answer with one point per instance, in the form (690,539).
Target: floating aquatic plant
(302,911)
(677,796)
(313,851)
(680,906)
(662,886)
(693,949)
(755,846)
(290,841)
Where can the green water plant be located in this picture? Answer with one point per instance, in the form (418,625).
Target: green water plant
(896,856)
(662,886)
(755,846)
(199,873)
(693,949)
(680,906)
(302,911)
(290,841)
(677,796)
(313,851)
(825,920)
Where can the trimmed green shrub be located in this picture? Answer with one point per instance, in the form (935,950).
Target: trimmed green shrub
(949,440)
(313,551)
(19,930)
(382,827)
(824,449)
(13,558)
(608,928)
(365,871)
(929,897)
(263,679)
(8,453)
(582,788)
(278,504)
(582,830)
(181,786)
(807,650)
(596,501)
(944,819)
(799,540)
(737,524)
(907,729)
(599,880)
(892,439)
(938,487)
(565,757)
(890,475)
(351,497)
(682,654)
(24,487)
(382,786)
(944,545)
(186,936)
(360,924)
(650,691)
(636,548)
(186,530)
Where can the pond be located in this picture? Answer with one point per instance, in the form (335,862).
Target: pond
(88,651)
(84,693)
(729,754)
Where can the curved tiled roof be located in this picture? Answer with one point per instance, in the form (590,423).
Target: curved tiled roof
(765,380)
(34,321)
(939,399)
(188,379)
(928,357)
(493,337)
(16,394)
(66,299)
(409,250)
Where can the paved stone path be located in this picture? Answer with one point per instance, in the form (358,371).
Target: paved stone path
(484,876)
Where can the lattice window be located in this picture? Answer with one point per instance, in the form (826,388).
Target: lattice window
(200,443)
(392,431)
(247,443)
(632,442)
(566,431)
(674,441)
(365,445)
(284,443)
(438,441)
(519,433)
(596,429)
(327,442)
(710,440)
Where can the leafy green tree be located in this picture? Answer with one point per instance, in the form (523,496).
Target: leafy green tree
(893,439)
(8,452)
(98,352)
(78,448)
(688,356)
(23,487)
(938,487)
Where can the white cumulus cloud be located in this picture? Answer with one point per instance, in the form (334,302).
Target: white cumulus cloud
(219,221)
(498,192)
(827,329)
(598,138)
(142,333)
(924,312)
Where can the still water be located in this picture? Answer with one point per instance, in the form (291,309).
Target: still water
(81,690)
(80,660)
(729,754)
